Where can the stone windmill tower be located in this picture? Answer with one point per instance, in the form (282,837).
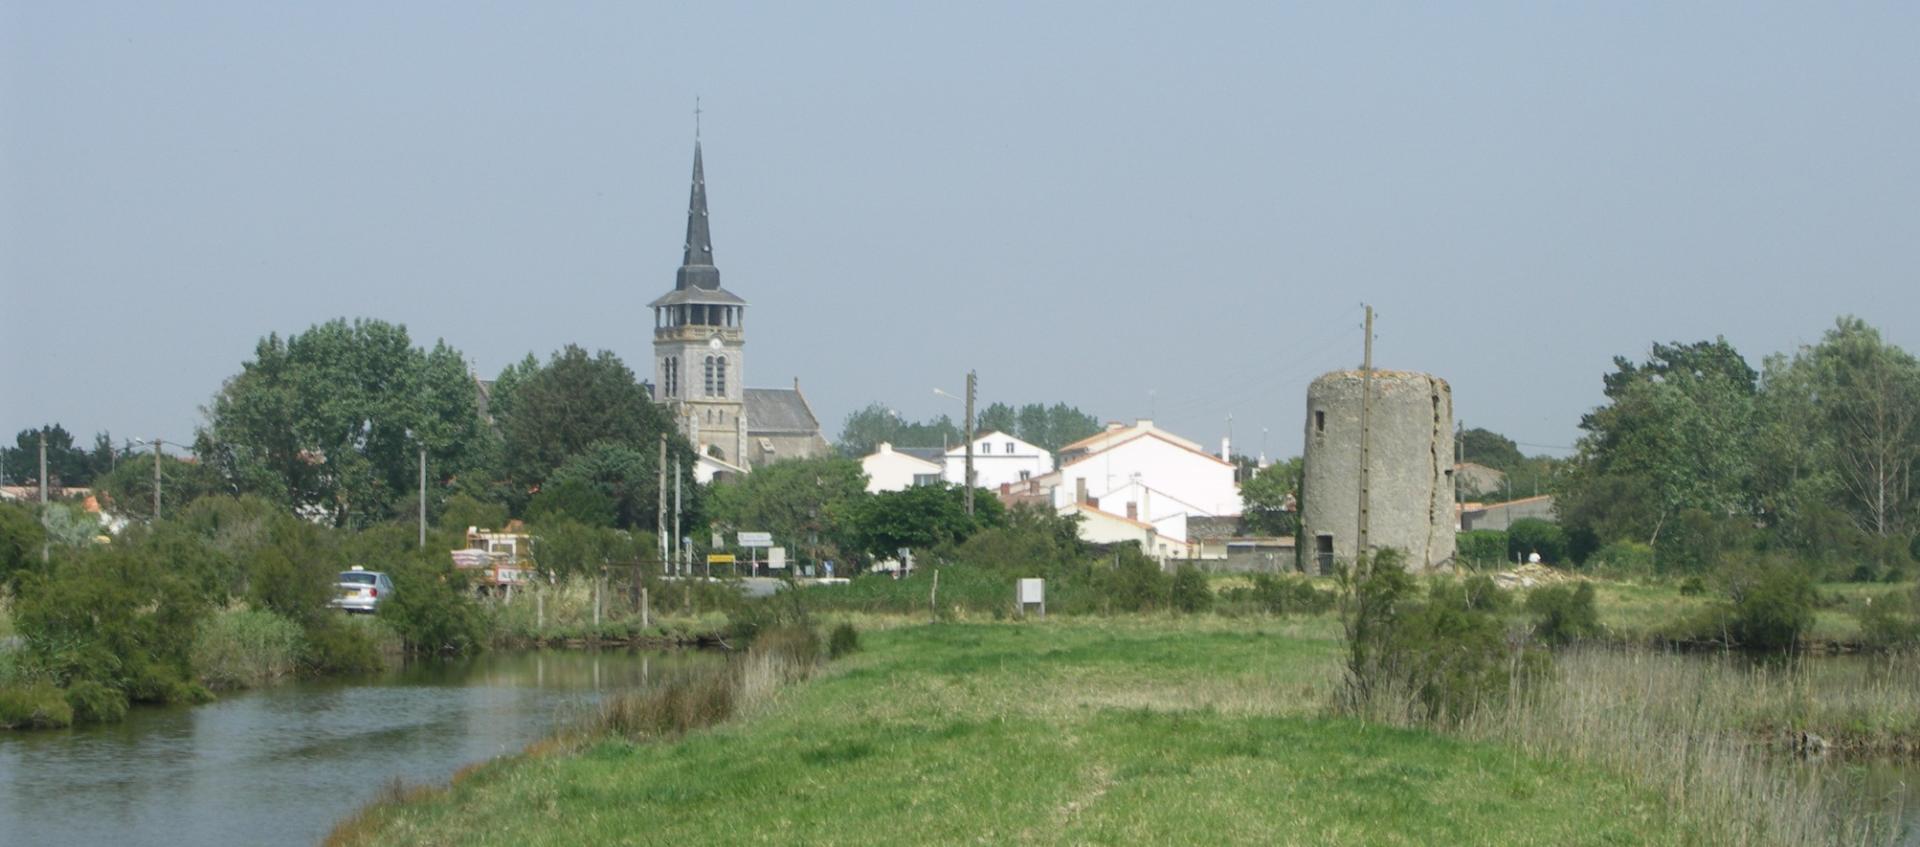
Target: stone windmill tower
(1409,475)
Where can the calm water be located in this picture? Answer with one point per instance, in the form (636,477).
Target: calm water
(282,765)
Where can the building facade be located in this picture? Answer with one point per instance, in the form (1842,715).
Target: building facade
(1409,446)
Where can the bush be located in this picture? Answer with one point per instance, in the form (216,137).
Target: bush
(1623,558)
(1563,615)
(96,703)
(843,640)
(1134,583)
(1285,595)
(1532,535)
(1890,621)
(1772,605)
(1478,593)
(1693,586)
(36,706)
(352,645)
(1481,548)
(1435,662)
(432,610)
(1189,591)
(242,648)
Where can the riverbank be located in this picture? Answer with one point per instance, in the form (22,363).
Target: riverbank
(1205,730)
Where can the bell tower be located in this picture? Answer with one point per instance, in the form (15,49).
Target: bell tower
(699,343)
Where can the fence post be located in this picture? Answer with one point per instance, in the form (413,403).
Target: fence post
(597,584)
(539,610)
(645,620)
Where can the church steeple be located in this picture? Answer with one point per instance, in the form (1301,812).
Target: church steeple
(697,270)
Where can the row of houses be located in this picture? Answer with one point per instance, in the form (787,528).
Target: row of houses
(1134,483)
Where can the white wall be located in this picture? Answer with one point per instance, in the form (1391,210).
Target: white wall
(993,465)
(891,471)
(1197,484)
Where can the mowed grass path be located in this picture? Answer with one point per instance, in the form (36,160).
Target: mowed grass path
(1067,732)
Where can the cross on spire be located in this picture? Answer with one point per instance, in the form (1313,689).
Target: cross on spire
(696,118)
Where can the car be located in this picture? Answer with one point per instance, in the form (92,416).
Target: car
(361,590)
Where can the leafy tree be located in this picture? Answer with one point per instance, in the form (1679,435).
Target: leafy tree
(1486,447)
(1056,426)
(67,464)
(127,490)
(628,480)
(921,517)
(998,417)
(575,402)
(20,538)
(1532,535)
(865,429)
(1676,431)
(1270,500)
(575,501)
(803,502)
(329,421)
(501,397)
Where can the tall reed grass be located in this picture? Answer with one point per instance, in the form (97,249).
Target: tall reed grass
(1684,727)
(241,648)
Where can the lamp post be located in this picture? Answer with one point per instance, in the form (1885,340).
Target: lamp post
(969,433)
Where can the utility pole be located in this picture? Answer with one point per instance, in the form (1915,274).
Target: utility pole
(679,553)
(662,500)
(970,386)
(1366,437)
(156,477)
(423,498)
(45,546)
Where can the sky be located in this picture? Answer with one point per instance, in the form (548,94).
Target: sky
(1153,210)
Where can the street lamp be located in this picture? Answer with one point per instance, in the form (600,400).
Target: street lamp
(968,401)
(156,442)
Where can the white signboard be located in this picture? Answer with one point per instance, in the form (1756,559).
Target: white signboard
(1033,591)
(756,539)
(777,557)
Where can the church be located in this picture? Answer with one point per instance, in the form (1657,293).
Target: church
(699,364)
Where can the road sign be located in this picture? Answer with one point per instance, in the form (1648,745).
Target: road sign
(719,558)
(777,557)
(756,539)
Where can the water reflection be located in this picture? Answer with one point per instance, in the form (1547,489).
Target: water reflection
(281,765)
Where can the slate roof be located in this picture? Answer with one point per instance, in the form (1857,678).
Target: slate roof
(779,410)
(935,455)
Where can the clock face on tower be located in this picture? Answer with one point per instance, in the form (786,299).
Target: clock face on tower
(714,342)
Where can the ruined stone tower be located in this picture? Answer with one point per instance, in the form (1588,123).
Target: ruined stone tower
(1410,473)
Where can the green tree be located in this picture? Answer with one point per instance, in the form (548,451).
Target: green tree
(127,490)
(808,503)
(864,430)
(67,464)
(577,401)
(919,518)
(1676,431)
(998,417)
(628,479)
(329,421)
(1486,447)
(1270,500)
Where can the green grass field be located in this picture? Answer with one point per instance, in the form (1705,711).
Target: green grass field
(1155,731)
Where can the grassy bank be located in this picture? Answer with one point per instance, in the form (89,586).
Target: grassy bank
(1200,730)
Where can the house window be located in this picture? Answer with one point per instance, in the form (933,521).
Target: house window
(1009,448)
(986,446)
(1024,475)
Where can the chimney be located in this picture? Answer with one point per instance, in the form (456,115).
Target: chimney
(885,447)
(1006,488)
(1146,503)
(1226,449)
(1133,511)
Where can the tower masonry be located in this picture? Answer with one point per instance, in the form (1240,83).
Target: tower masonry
(699,343)
(1410,469)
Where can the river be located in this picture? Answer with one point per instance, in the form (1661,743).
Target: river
(282,765)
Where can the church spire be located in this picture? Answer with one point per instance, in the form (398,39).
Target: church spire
(697,270)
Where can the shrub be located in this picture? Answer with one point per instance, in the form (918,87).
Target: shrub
(96,703)
(432,610)
(1891,621)
(1134,583)
(795,643)
(1623,558)
(843,640)
(1532,535)
(1189,591)
(1284,595)
(1693,586)
(1563,615)
(36,706)
(1772,605)
(242,648)
(351,645)
(1481,548)
(1436,661)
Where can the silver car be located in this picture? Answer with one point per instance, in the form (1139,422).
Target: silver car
(362,590)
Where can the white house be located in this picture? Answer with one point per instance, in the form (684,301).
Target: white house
(998,458)
(1098,526)
(1147,473)
(894,470)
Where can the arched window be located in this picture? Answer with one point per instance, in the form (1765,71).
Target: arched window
(720,376)
(709,374)
(670,376)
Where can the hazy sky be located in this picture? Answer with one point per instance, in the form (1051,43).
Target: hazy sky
(1169,209)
